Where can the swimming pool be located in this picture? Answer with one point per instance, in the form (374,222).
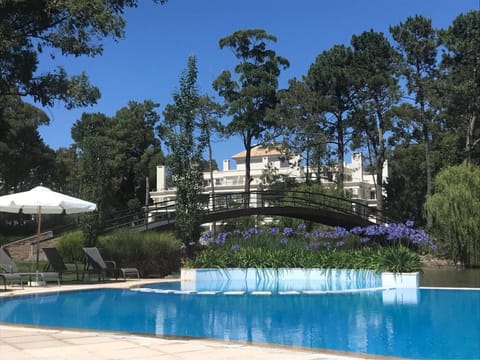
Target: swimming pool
(422,323)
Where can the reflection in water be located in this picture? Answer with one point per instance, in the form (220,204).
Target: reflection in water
(450,276)
(401,296)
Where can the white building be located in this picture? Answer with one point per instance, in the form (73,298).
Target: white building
(357,181)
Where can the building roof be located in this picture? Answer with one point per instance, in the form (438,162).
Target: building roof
(258,151)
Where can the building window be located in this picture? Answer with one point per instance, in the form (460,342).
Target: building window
(373,194)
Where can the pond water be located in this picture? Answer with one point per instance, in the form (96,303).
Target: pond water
(450,276)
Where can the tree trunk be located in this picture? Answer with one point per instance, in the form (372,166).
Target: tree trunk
(247,143)
(212,185)
(379,160)
(248,153)
(470,142)
(428,169)
(341,153)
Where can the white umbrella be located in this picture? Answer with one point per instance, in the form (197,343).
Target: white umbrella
(41,200)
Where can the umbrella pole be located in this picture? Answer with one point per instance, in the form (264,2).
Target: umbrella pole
(39,219)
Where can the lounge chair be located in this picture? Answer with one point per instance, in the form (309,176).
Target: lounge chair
(56,263)
(96,265)
(11,278)
(10,268)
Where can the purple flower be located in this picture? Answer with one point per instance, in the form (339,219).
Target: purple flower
(254,231)
(301,228)
(284,241)
(357,230)
(288,231)
(207,238)
(316,233)
(221,238)
(235,247)
(246,234)
(274,230)
(409,223)
(340,232)
(340,243)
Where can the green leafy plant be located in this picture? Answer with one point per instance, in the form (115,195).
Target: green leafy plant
(379,248)
(70,246)
(398,259)
(152,253)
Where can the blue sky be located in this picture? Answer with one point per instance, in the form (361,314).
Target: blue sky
(147,64)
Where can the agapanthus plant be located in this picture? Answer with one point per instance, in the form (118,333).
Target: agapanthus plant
(359,247)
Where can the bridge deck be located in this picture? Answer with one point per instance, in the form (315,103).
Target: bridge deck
(321,208)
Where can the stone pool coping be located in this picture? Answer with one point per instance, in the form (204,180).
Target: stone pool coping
(26,342)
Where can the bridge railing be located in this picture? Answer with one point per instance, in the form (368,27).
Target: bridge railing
(142,216)
(163,213)
(228,201)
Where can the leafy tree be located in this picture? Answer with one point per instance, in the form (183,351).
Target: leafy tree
(98,181)
(68,175)
(455,209)
(185,155)
(26,160)
(209,113)
(405,187)
(28,28)
(124,148)
(254,91)
(136,150)
(377,91)
(417,42)
(460,86)
(332,81)
(298,120)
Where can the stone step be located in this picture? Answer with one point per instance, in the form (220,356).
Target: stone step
(25,249)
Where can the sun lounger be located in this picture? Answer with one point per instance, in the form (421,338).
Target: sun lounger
(58,265)
(11,279)
(10,267)
(95,264)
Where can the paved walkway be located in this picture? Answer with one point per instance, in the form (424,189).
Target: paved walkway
(20,342)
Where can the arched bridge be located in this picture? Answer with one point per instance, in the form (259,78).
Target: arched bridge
(321,208)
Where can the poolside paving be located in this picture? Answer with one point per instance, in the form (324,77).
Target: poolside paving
(23,342)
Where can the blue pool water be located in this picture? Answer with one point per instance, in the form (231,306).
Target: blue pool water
(422,324)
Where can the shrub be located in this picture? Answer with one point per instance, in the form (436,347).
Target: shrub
(152,253)
(70,246)
(455,209)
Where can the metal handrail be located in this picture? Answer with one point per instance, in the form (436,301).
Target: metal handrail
(164,212)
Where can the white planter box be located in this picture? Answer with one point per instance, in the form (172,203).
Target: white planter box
(400,280)
(292,279)
(283,279)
